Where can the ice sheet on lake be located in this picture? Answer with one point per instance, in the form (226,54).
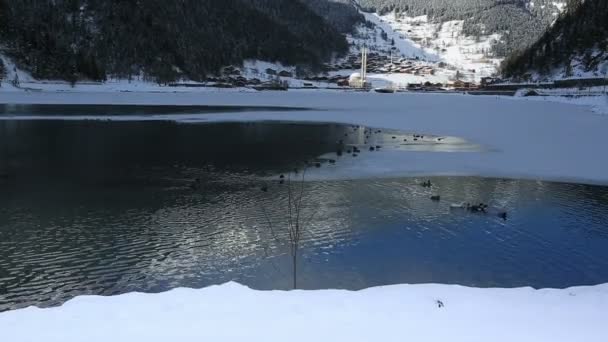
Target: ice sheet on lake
(524,139)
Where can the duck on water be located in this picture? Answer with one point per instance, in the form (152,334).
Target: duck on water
(480,208)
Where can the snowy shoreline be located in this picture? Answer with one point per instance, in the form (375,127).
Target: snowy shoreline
(232,312)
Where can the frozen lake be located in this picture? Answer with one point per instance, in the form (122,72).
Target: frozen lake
(98,207)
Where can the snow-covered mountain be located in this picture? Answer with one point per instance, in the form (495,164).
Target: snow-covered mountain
(519,22)
(164,41)
(472,35)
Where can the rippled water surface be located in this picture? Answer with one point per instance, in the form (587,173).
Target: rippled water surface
(90,207)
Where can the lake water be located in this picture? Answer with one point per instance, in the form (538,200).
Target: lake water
(96,207)
(50,110)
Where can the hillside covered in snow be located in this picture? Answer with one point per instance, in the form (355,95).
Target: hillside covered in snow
(314,40)
(518,22)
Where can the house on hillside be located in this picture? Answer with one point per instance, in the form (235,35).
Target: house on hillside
(486,81)
(343,83)
(285,73)
(462,85)
(231,70)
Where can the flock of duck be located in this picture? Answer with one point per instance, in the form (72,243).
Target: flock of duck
(479,208)
(372,146)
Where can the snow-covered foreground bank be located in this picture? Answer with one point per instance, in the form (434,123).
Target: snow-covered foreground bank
(232,312)
(523,139)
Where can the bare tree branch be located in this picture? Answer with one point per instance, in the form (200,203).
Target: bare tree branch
(272,232)
(296,227)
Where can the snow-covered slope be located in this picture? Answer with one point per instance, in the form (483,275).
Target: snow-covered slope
(405,47)
(442,46)
(471,56)
(471,37)
(12,72)
(382,38)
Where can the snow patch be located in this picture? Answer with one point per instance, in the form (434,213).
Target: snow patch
(13,73)
(561,6)
(405,48)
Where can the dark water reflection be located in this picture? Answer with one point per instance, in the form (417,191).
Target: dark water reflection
(50,110)
(107,208)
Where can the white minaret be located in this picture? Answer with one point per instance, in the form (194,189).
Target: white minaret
(363,65)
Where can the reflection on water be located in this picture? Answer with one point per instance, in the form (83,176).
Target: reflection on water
(133,150)
(107,208)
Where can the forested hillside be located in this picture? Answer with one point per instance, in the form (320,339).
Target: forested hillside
(521,22)
(2,71)
(339,13)
(163,40)
(577,40)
